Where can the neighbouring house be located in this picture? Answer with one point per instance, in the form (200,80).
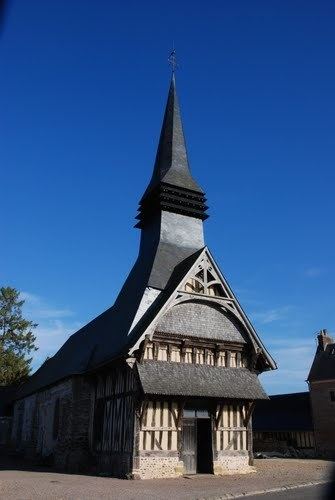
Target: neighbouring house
(165,381)
(284,424)
(321,381)
(303,421)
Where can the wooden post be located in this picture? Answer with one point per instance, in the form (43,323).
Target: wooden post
(181,405)
(137,429)
(248,423)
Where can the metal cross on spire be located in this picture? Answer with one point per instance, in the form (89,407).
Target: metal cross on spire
(173,60)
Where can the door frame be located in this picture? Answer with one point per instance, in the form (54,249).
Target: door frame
(212,443)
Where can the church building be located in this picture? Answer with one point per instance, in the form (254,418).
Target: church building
(164,382)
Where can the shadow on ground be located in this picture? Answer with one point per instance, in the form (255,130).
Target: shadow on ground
(330,490)
(13,462)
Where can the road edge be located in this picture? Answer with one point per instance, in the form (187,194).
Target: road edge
(263,492)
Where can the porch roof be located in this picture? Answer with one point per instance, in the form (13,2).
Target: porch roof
(187,379)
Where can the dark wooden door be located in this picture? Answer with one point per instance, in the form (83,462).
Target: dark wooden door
(189,445)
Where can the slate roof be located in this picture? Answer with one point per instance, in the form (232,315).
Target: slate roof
(284,412)
(106,336)
(323,366)
(163,378)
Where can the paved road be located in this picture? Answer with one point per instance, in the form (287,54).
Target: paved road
(21,482)
(320,492)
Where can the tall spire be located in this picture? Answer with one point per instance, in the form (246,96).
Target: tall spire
(171,165)
(172,186)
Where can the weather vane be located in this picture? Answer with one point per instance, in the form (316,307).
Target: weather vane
(173,60)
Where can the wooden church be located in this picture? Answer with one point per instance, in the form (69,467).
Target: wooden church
(165,381)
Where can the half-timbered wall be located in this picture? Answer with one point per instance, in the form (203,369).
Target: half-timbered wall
(231,431)
(159,426)
(277,440)
(112,433)
(232,438)
(160,439)
(192,354)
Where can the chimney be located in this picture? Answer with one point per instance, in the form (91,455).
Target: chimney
(323,340)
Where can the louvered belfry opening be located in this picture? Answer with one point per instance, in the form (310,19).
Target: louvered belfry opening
(171,199)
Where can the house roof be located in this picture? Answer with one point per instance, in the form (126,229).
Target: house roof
(284,412)
(323,366)
(163,378)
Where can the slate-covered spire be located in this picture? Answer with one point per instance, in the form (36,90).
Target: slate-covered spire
(172,187)
(171,165)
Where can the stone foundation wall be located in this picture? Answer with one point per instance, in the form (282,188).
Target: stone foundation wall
(232,463)
(151,467)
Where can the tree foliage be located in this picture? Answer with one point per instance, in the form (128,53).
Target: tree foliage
(17,340)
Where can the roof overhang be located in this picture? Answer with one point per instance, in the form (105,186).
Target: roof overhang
(162,378)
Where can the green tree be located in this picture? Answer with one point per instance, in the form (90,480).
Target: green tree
(17,340)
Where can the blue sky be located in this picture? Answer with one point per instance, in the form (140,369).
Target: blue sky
(82,91)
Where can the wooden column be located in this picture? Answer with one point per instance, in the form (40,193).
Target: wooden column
(248,424)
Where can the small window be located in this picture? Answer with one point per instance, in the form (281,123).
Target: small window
(332,396)
(192,413)
(233,358)
(55,428)
(175,354)
(149,352)
(189,413)
(222,358)
(188,355)
(162,353)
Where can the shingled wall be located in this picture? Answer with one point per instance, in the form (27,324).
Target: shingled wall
(202,320)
